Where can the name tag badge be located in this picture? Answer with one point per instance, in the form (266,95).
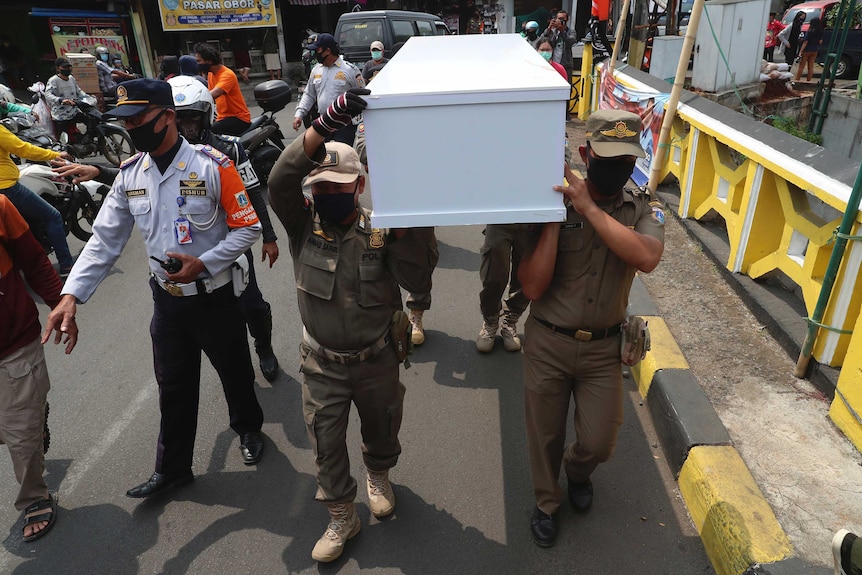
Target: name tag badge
(183,231)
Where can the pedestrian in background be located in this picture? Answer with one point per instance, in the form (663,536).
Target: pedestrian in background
(578,276)
(330,77)
(24,381)
(189,67)
(773,28)
(789,38)
(190,205)
(232,114)
(546,51)
(354,330)
(376,63)
(562,39)
(808,51)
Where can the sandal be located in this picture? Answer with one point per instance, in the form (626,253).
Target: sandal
(46,434)
(44,510)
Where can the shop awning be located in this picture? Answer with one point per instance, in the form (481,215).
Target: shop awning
(63,13)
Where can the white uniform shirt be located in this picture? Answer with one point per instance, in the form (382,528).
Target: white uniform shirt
(143,196)
(326,83)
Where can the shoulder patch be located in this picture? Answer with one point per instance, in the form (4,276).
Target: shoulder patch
(657,212)
(131,160)
(215,154)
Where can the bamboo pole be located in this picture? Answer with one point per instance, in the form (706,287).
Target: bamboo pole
(660,157)
(621,30)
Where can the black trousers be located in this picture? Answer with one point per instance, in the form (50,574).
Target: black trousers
(255,309)
(231,126)
(181,328)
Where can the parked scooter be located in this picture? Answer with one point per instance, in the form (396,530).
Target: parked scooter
(26,128)
(263,141)
(78,204)
(99,136)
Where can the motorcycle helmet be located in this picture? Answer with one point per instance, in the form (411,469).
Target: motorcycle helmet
(101,50)
(192,101)
(532,25)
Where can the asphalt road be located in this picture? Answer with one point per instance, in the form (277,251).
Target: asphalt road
(462,483)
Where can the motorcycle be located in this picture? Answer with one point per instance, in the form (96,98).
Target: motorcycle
(308,58)
(99,136)
(26,128)
(78,204)
(263,141)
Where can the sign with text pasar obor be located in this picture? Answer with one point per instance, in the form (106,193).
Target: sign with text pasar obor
(466,130)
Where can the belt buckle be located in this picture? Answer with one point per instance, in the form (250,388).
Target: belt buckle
(173,288)
(583,335)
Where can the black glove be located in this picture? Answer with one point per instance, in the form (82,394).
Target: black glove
(340,112)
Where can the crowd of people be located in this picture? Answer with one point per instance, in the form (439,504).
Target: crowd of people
(798,46)
(575,277)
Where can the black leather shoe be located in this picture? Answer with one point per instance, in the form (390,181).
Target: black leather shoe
(544,528)
(581,495)
(268,364)
(251,446)
(159,483)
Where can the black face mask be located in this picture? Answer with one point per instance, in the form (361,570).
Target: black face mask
(145,138)
(319,57)
(609,175)
(64,71)
(204,68)
(335,208)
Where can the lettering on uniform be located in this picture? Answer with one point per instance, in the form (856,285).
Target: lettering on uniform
(193,188)
(371,256)
(321,245)
(376,240)
(136,193)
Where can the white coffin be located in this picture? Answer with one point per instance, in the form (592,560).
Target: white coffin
(466,130)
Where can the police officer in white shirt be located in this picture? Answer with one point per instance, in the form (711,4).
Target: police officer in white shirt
(330,78)
(192,210)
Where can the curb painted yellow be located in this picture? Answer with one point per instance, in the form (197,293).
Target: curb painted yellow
(665,354)
(850,386)
(735,522)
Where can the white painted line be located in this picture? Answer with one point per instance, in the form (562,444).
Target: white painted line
(689,177)
(80,467)
(853,261)
(748,222)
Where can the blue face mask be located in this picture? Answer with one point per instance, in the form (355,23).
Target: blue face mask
(334,208)
(376,54)
(546,55)
(103,57)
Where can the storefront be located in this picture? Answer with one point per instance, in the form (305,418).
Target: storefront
(38,35)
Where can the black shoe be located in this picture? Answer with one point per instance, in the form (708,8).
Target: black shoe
(268,363)
(160,482)
(251,446)
(581,495)
(544,528)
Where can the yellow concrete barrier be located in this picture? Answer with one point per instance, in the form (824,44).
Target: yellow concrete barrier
(735,522)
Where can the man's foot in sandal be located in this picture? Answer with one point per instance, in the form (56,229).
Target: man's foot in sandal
(40,517)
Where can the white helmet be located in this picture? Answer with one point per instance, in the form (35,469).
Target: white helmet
(101,50)
(191,95)
(532,25)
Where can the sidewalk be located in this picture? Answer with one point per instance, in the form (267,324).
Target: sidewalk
(766,477)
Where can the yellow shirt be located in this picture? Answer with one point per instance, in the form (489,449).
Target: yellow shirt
(12,144)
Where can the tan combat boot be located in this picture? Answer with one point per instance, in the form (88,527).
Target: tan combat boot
(485,341)
(417,335)
(509,332)
(343,525)
(381,498)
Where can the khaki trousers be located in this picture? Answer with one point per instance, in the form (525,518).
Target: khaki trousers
(557,367)
(327,391)
(501,255)
(24,386)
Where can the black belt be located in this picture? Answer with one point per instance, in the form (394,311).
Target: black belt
(582,334)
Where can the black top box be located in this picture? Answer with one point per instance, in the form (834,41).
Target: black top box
(273,95)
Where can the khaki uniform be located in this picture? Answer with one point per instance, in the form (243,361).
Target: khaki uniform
(501,256)
(589,291)
(347,281)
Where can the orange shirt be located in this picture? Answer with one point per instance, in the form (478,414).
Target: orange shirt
(231,103)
